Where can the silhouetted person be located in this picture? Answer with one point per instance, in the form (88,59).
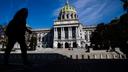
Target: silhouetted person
(16,33)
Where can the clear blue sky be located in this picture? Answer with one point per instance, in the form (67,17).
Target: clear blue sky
(42,13)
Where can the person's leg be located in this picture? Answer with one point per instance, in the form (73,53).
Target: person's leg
(23,47)
(8,49)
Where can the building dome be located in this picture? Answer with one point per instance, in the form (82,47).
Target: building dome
(68,8)
(67,12)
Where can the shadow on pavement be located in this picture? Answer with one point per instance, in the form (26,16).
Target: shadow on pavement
(60,63)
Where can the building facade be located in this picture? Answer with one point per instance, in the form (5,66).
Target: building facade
(67,31)
(44,37)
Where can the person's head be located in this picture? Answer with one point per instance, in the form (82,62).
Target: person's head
(21,14)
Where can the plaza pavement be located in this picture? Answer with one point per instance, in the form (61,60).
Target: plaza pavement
(44,62)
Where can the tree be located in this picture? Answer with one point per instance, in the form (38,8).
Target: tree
(98,39)
(114,34)
(124,33)
(125,5)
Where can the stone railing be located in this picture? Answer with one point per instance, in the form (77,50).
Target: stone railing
(52,57)
(97,56)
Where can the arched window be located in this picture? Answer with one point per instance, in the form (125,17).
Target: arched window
(66,32)
(66,45)
(74,32)
(75,16)
(59,45)
(74,45)
(67,16)
(86,38)
(59,33)
(62,16)
(72,16)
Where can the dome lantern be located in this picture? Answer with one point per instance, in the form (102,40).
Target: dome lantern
(67,12)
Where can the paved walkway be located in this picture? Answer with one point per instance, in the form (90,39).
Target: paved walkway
(78,53)
(65,65)
(71,66)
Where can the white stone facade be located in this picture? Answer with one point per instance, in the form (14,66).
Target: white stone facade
(69,37)
(67,31)
(76,34)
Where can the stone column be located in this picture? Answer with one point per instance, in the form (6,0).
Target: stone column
(55,34)
(88,36)
(55,45)
(63,45)
(71,44)
(38,39)
(70,32)
(70,16)
(41,37)
(62,33)
(77,34)
(78,44)
(65,16)
(73,16)
(55,38)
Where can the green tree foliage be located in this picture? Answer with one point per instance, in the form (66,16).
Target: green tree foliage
(125,5)
(114,34)
(97,37)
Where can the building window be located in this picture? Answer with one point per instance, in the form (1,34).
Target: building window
(43,40)
(66,45)
(67,16)
(75,16)
(59,33)
(86,38)
(74,45)
(71,15)
(59,45)
(74,32)
(39,38)
(63,16)
(66,32)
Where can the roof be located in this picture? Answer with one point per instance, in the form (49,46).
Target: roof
(68,8)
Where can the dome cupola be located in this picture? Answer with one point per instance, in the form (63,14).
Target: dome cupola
(67,12)
(68,8)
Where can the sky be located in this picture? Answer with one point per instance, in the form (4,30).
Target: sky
(42,13)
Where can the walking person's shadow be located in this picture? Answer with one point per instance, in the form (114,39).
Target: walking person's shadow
(16,33)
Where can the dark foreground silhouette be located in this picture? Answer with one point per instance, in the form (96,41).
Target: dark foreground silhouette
(58,63)
(16,33)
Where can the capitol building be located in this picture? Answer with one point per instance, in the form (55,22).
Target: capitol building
(69,37)
(67,31)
